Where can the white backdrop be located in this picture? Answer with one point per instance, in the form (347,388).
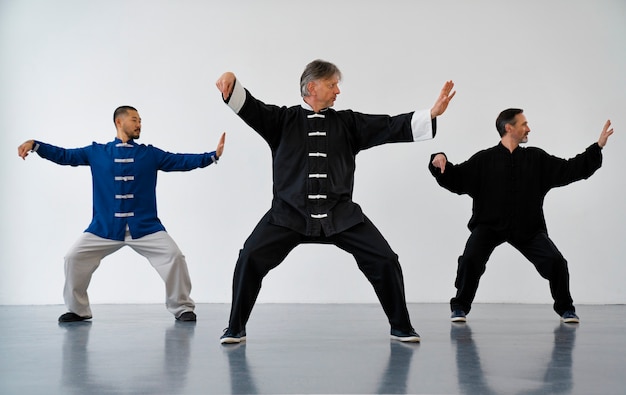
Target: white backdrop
(66,65)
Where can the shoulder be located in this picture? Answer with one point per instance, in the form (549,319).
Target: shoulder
(486,152)
(535,151)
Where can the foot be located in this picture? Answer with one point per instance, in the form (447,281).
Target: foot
(72,317)
(404,336)
(570,317)
(458,315)
(187,316)
(230,337)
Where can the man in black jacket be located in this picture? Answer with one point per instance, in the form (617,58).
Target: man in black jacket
(508,184)
(314,148)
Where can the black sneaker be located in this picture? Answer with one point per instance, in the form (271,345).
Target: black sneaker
(458,316)
(570,317)
(187,316)
(403,336)
(232,338)
(72,317)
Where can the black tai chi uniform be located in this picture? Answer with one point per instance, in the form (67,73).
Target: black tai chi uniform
(313,160)
(508,190)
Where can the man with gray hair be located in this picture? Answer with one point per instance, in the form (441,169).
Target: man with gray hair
(313,160)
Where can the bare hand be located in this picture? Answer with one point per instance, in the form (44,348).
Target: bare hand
(225,84)
(439,161)
(24,149)
(220,145)
(443,100)
(606,132)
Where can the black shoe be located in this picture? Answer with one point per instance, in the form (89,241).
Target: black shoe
(187,316)
(458,316)
(72,317)
(570,317)
(232,338)
(410,336)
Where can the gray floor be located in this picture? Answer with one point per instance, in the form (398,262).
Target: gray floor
(313,349)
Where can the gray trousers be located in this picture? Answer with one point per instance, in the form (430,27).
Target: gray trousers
(84,257)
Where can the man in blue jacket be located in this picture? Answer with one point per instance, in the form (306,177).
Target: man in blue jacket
(124,175)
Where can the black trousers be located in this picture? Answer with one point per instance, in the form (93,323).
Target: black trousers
(269,244)
(539,250)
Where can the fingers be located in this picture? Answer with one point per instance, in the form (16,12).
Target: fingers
(443,100)
(220,145)
(439,162)
(447,87)
(607,131)
(445,91)
(224,87)
(24,149)
(451,96)
(225,84)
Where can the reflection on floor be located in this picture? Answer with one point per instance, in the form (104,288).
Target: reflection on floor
(313,348)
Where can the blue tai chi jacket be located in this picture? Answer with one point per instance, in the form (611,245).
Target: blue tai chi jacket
(124,177)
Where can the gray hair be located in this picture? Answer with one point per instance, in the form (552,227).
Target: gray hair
(317,69)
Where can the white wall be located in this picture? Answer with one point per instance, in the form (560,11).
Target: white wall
(66,65)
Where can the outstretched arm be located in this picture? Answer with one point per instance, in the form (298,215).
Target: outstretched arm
(24,149)
(606,132)
(443,100)
(225,84)
(220,145)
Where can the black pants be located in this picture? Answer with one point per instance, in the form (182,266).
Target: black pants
(539,250)
(268,246)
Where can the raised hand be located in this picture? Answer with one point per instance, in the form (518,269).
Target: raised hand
(606,132)
(220,145)
(443,100)
(225,84)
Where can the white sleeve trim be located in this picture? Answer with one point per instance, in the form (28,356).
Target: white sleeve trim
(422,125)
(237,98)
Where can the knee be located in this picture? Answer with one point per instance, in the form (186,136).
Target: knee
(73,257)
(472,264)
(252,262)
(555,266)
(388,263)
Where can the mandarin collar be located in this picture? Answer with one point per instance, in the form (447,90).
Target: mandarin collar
(118,140)
(306,106)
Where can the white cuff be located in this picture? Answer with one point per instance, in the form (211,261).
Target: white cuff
(422,125)
(237,98)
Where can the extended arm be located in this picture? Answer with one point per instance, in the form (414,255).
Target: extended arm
(560,172)
(58,155)
(459,179)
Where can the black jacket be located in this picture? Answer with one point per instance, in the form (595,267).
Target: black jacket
(508,189)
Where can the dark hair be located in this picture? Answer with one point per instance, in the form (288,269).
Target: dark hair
(122,110)
(506,117)
(316,70)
